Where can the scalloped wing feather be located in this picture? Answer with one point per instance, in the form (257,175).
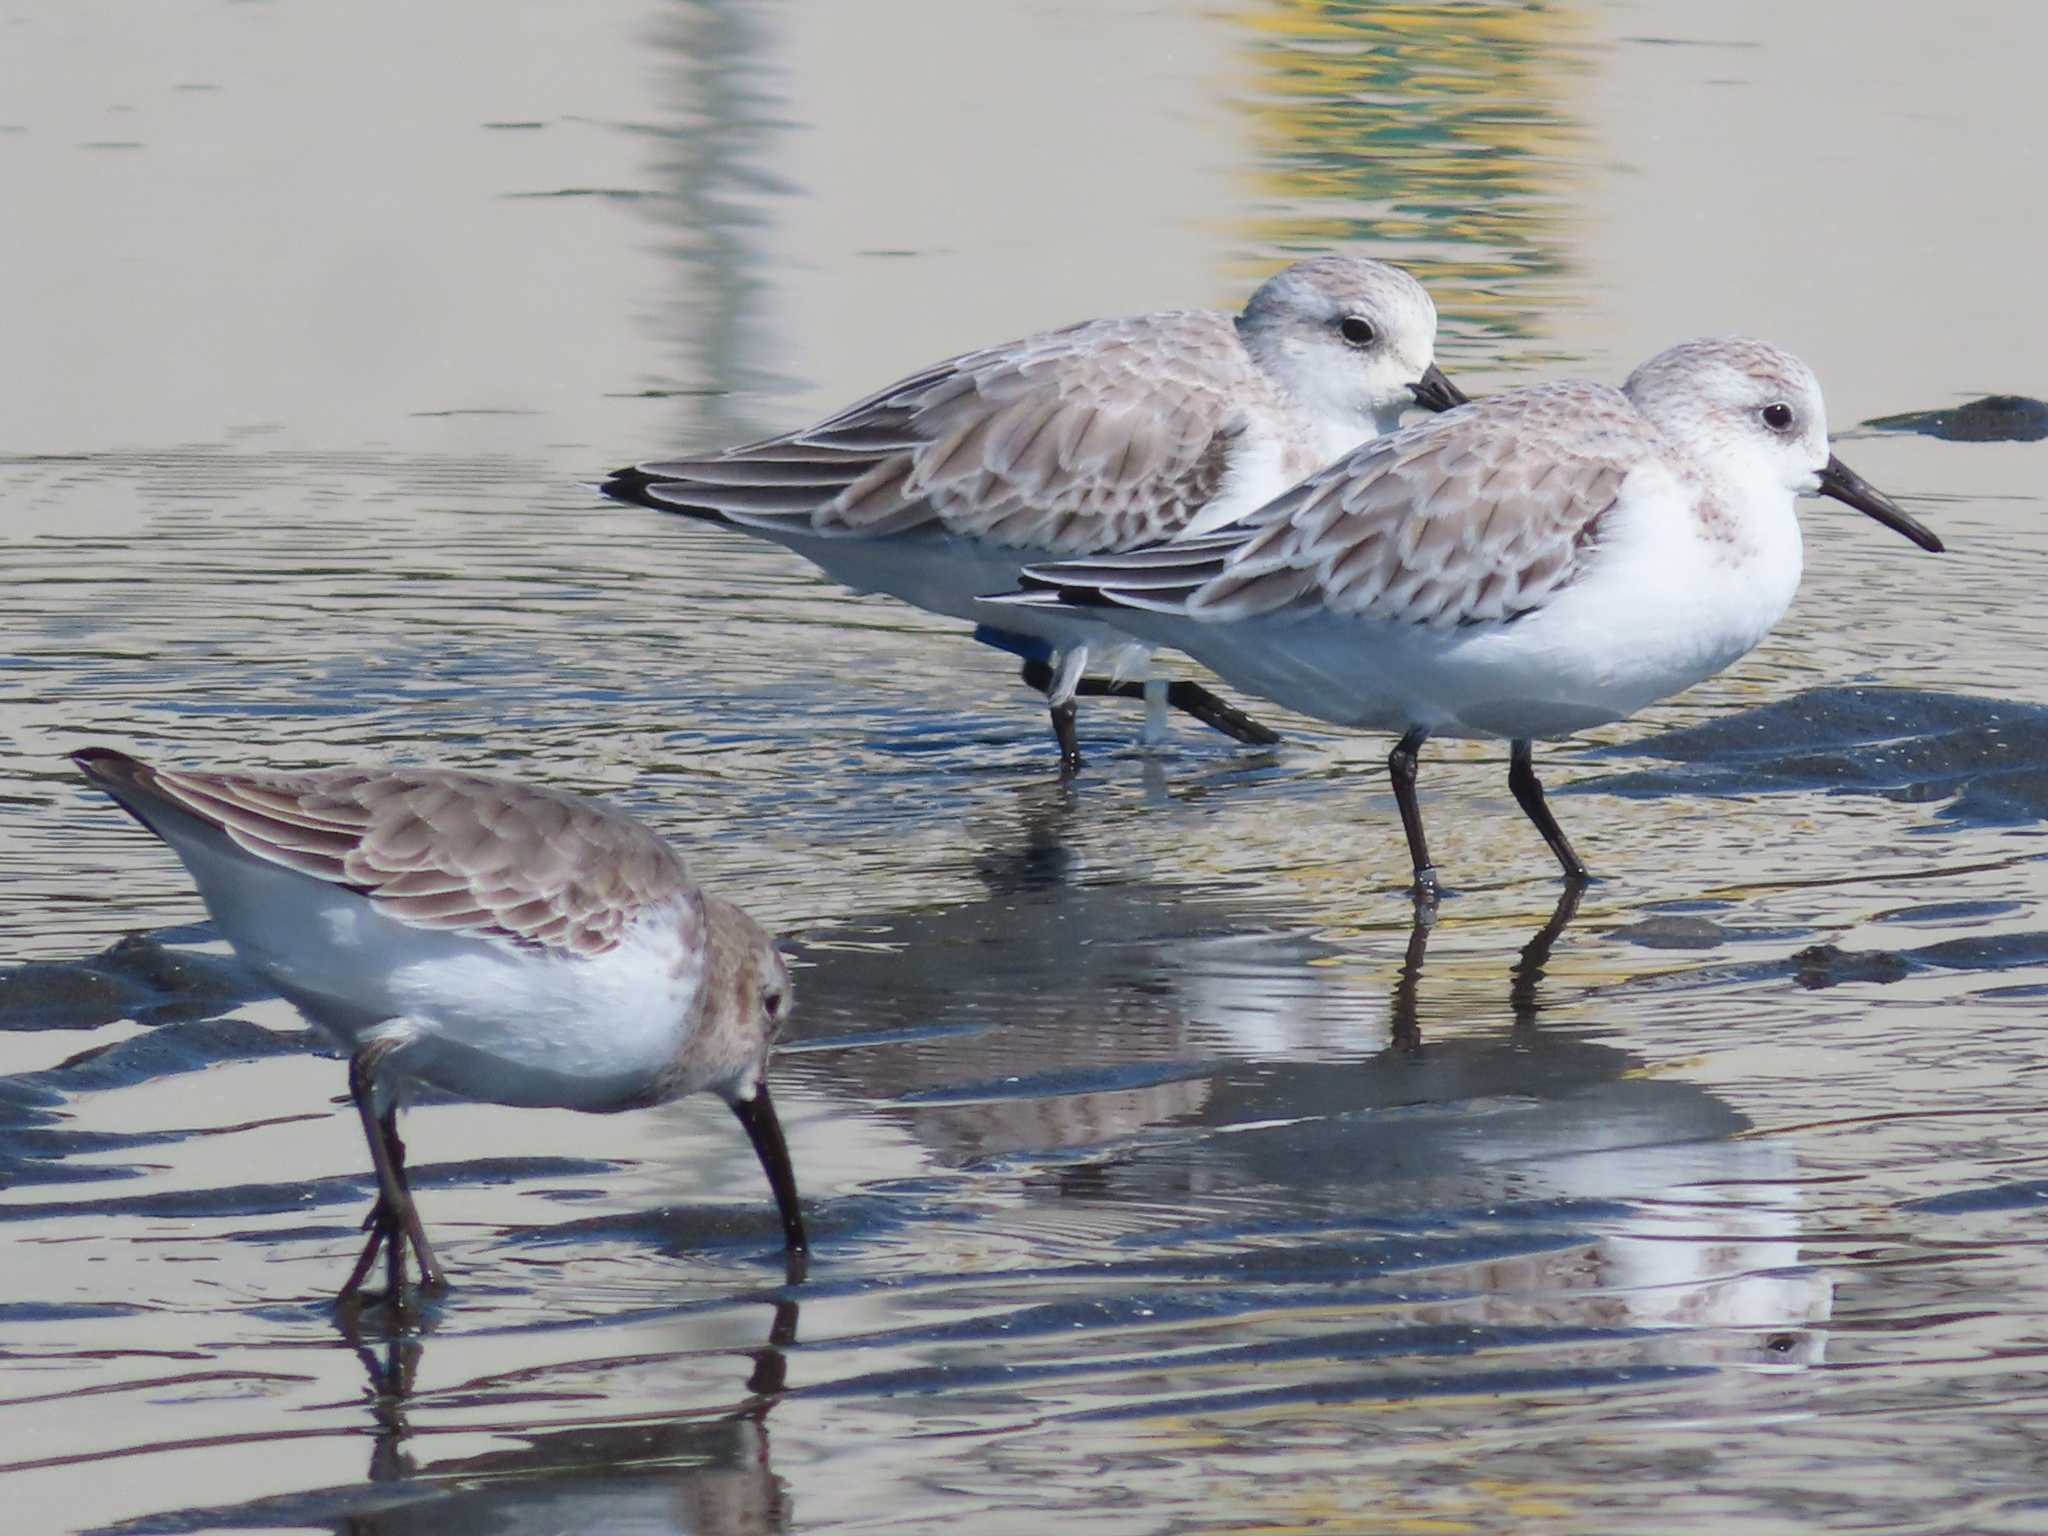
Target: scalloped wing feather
(439,849)
(1106,435)
(1476,517)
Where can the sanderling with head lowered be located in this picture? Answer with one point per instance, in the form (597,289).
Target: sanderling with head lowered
(1527,566)
(500,942)
(1103,436)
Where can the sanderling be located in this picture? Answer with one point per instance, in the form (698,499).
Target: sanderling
(1106,435)
(1531,565)
(501,942)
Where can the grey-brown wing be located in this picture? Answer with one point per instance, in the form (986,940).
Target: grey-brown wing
(1478,516)
(1105,435)
(433,848)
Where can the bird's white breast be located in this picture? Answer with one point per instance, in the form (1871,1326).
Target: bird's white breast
(532,1027)
(1267,460)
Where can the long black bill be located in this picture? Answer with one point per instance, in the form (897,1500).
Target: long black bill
(1845,485)
(1435,392)
(765,1132)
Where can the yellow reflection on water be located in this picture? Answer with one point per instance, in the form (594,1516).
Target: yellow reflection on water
(1446,129)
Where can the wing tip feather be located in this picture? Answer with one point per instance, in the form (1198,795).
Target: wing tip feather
(104,765)
(637,486)
(125,779)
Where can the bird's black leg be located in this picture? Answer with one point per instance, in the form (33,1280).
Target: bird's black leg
(1039,676)
(1219,714)
(1529,796)
(1401,763)
(431,1275)
(1067,736)
(1183,694)
(394,1220)
(375,1223)
(381,1223)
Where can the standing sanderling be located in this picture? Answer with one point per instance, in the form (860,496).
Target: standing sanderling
(501,942)
(1531,565)
(1103,436)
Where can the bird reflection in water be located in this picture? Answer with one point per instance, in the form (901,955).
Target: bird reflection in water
(1145,1065)
(704,1473)
(1523,975)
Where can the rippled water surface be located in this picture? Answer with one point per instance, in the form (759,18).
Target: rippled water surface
(1163,1174)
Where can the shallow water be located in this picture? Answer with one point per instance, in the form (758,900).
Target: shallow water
(1162,1174)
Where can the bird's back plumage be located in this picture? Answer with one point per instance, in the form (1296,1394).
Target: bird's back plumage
(1099,436)
(433,848)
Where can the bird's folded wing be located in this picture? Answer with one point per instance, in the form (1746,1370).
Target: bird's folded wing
(1479,516)
(1106,435)
(432,848)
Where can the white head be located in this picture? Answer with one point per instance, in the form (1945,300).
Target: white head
(1757,410)
(1353,340)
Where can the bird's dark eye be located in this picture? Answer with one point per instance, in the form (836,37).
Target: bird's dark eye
(1358,330)
(772,1002)
(1777,415)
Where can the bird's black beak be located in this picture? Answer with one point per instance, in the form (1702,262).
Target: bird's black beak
(1845,485)
(1435,392)
(765,1132)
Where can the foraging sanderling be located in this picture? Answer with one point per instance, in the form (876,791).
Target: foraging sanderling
(501,942)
